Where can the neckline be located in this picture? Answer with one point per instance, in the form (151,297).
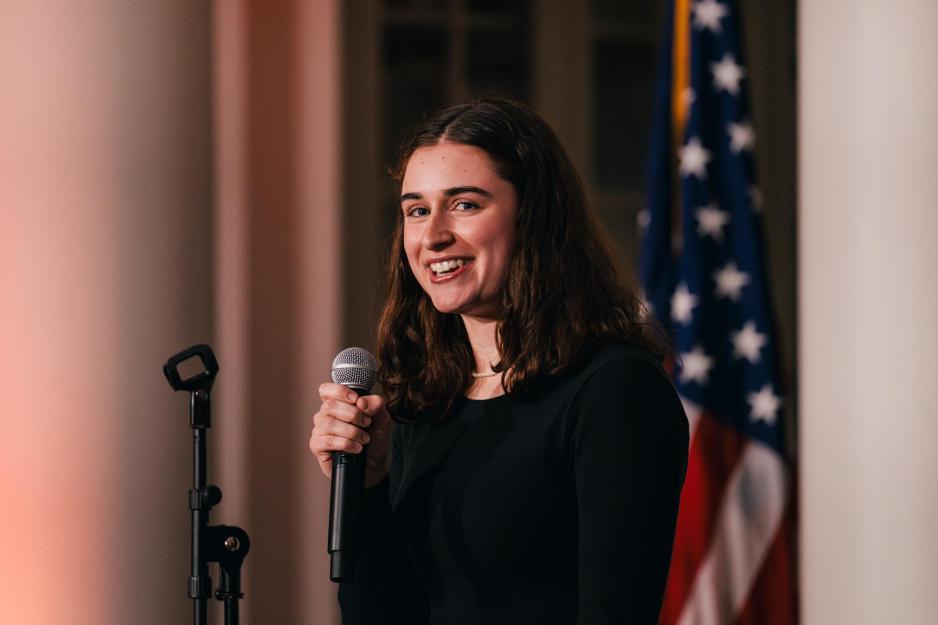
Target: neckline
(503,396)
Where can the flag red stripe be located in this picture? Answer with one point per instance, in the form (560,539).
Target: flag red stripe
(773,597)
(714,453)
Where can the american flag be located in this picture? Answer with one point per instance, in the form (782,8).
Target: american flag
(704,278)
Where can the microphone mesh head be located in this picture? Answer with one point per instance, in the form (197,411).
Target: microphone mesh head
(355,367)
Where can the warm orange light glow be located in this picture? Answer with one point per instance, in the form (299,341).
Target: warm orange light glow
(680,76)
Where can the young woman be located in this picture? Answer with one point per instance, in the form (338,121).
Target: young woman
(526,459)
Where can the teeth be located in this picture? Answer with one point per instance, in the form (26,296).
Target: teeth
(447,265)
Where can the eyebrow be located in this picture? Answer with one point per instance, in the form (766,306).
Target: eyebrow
(449,193)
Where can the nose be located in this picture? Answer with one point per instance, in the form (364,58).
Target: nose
(437,233)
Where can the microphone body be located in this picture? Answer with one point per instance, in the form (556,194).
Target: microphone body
(356,369)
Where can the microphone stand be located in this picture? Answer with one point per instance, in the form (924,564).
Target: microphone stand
(223,544)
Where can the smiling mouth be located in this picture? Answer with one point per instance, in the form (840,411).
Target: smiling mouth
(448,269)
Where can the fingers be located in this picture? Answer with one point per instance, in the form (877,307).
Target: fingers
(372,405)
(331,434)
(346,422)
(336,428)
(330,390)
(322,443)
(345,404)
(338,443)
(339,424)
(337,409)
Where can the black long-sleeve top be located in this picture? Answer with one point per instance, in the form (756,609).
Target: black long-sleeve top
(557,509)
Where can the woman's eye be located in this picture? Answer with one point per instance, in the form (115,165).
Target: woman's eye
(417,211)
(466,205)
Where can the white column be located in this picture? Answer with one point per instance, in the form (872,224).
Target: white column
(868,255)
(105,271)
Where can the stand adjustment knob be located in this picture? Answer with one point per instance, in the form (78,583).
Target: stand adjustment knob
(204,498)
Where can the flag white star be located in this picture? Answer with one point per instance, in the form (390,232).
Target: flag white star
(742,136)
(708,13)
(682,304)
(644,220)
(730,281)
(747,343)
(764,404)
(695,366)
(727,74)
(694,158)
(710,221)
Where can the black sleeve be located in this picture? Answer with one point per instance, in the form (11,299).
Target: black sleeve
(385,590)
(629,438)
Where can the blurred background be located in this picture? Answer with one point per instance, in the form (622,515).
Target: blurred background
(181,171)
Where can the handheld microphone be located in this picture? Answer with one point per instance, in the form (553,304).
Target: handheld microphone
(356,369)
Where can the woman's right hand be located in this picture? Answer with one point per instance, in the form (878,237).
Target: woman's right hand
(347,422)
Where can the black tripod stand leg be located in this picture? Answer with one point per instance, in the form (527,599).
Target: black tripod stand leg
(229,580)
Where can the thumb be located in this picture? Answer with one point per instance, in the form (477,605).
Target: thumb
(373,406)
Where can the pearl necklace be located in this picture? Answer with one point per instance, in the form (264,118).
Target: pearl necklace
(486,374)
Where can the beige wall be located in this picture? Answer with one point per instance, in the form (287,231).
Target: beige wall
(105,271)
(169,174)
(868,225)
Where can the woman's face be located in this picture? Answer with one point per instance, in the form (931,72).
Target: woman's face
(459,227)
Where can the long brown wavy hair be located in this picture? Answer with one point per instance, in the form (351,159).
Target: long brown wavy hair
(561,293)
